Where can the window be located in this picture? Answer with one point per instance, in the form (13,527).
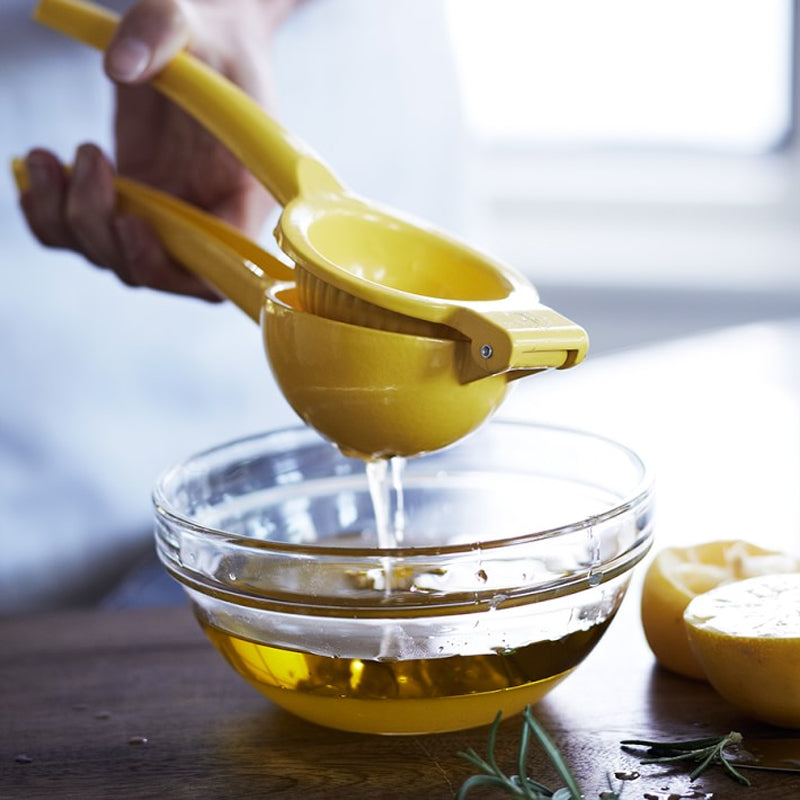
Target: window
(645,142)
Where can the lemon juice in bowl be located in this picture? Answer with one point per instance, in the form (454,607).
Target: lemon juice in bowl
(517,547)
(410,695)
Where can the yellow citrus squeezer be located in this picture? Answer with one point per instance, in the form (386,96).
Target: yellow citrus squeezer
(406,303)
(355,260)
(374,393)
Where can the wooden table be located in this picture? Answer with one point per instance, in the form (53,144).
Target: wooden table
(81,691)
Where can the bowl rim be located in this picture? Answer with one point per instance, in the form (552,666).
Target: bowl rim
(635,497)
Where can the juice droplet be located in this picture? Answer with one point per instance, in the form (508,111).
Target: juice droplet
(377,471)
(398,466)
(496,601)
(595,574)
(388,504)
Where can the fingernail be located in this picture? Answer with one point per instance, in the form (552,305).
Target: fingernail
(128,59)
(38,172)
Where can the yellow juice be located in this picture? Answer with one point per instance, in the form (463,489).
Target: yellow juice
(406,696)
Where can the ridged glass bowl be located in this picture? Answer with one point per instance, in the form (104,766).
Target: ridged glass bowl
(513,552)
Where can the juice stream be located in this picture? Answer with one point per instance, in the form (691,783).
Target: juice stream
(385,480)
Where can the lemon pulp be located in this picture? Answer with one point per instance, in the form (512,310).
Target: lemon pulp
(746,636)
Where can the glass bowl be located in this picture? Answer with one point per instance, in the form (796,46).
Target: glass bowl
(512,552)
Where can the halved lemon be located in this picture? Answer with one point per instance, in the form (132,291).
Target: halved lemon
(746,637)
(678,574)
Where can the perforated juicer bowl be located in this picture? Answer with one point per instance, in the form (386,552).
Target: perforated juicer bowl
(517,548)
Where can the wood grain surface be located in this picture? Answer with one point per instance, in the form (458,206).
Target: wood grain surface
(80,692)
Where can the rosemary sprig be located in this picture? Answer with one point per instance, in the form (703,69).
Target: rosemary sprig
(706,752)
(520,785)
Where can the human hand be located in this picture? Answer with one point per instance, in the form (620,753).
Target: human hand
(158,143)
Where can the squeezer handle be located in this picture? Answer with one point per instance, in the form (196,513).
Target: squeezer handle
(205,245)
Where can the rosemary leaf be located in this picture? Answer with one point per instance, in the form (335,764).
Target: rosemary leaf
(520,786)
(522,756)
(734,773)
(706,752)
(705,763)
(492,741)
(565,794)
(553,754)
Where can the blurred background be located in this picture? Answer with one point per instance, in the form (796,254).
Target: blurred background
(638,160)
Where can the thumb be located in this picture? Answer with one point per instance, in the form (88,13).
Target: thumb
(147,37)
